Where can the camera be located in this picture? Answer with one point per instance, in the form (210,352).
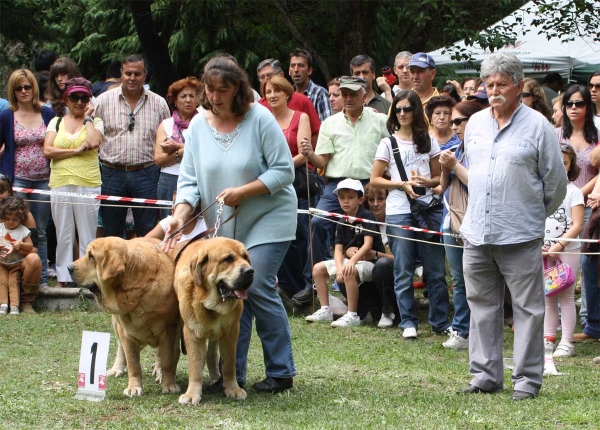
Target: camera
(389,76)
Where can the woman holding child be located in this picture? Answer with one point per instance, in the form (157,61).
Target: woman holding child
(420,158)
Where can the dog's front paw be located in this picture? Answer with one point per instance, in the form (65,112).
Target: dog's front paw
(235,393)
(171,388)
(133,391)
(117,372)
(190,398)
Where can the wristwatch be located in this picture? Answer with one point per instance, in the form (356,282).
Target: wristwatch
(90,119)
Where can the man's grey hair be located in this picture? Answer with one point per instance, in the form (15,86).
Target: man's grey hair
(402,55)
(503,64)
(276,64)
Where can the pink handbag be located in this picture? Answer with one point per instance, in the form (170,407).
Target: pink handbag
(557,278)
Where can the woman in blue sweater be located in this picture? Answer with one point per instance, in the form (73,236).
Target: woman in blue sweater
(238,153)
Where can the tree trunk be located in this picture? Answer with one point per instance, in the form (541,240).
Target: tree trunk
(155,49)
(359,19)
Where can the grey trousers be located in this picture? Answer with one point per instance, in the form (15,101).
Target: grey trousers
(486,269)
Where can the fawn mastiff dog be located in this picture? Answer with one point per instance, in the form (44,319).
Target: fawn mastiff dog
(133,281)
(211,279)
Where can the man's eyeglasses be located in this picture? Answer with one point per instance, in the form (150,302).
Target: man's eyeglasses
(458,121)
(74,98)
(405,109)
(24,87)
(131,124)
(525,95)
(578,104)
(265,76)
(592,86)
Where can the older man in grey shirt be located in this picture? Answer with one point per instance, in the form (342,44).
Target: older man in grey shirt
(516,180)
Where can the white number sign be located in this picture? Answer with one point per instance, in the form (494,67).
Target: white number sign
(91,380)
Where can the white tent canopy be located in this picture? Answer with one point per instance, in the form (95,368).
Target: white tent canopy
(539,55)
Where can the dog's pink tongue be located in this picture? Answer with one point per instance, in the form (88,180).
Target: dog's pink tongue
(241,294)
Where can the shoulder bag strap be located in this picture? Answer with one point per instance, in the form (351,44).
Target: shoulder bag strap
(399,165)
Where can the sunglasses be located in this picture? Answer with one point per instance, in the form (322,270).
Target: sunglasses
(458,121)
(592,86)
(525,95)
(566,148)
(578,104)
(131,124)
(405,109)
(74,98)
(24,87)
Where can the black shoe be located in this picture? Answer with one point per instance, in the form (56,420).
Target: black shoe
(217,387)
(304,296)
(521,395)
(274,385)
(472,389)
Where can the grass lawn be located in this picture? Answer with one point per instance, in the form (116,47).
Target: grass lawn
(360,377)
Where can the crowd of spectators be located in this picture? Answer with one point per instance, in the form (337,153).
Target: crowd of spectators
(366,146)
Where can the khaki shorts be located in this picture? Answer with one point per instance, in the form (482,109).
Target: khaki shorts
(364,269)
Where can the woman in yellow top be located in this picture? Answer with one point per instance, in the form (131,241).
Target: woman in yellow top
(72,146)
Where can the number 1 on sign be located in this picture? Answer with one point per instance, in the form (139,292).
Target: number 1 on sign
(93,364)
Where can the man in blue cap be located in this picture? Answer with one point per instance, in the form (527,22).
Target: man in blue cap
(422,71)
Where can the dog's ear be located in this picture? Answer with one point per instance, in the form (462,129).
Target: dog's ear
(113,261)
(196,265)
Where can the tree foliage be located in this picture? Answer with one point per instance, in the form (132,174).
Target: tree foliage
(178,37)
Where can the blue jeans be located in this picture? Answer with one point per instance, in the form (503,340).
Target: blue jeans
(290,275)
(264,305)
(39,205)
(167,185)
(590,283)
(434,270)
(140,184)
(462,313)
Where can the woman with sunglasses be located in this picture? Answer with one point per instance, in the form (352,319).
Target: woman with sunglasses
(454,167)
(594,86)
(72,144)
(419,154)
(533,96)
(22,131)
(579,132)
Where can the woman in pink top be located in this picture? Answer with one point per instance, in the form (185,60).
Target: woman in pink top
(295,126)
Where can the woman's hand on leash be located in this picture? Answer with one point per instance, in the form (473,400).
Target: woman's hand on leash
(173,225)
(231,196)
(305,148)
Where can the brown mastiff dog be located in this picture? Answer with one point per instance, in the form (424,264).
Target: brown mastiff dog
(211,278)
(133,281)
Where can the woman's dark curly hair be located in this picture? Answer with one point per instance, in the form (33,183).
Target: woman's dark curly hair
(64,65)
(13,204)
(420,130)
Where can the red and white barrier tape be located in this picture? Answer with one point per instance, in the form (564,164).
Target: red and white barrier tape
(416,229)
(94,196)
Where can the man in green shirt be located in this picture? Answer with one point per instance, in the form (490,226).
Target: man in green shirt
(345,148)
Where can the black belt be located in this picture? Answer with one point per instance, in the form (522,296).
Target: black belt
(127,168)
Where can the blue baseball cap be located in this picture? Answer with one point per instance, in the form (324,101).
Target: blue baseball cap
(421,59)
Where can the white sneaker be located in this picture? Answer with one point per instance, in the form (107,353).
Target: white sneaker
(456,342)
(14,310)
(320,315)
(3,309)
(409,333)
(564,349)
(346,321)
(386,321)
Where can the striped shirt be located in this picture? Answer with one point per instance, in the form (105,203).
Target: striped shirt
(320,98)
(124,147)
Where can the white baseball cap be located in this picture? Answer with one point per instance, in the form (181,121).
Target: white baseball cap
(350,184)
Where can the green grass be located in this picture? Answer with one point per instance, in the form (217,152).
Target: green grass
(360,377)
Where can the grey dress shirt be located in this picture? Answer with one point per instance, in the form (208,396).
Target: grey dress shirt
(516,177)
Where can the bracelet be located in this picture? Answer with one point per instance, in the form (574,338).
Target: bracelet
(177,157)
(562,246)
(91,119)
